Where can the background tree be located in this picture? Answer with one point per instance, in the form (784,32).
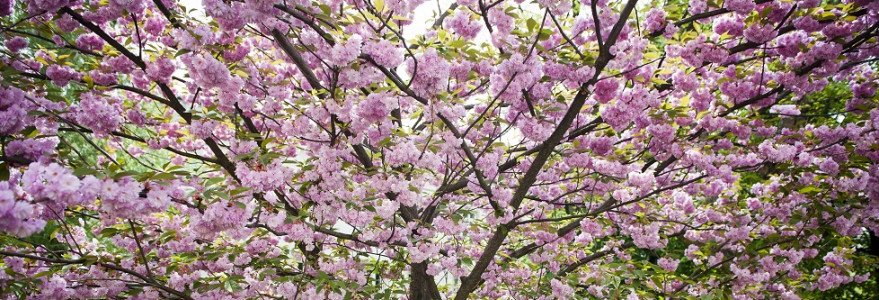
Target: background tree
(545,149)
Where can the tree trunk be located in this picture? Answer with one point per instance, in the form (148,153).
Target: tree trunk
(422,286)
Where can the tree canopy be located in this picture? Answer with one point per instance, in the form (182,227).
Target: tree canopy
(354,149)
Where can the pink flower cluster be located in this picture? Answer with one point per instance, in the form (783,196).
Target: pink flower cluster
(61,75)
(218,217)
(57,185)
(203,128)
(42,192)
(161,70)
(119,64)
(18,216)
(89,42)
(35,7)
(16,44)
(210,73)
(464,25)
(273,176)
(605,90)
(6,7)
(229,17)
(560,290)
(668,264)
(777,152)
(758,33)
(655,20)
(31,149)
(785,109)
(13,109)
(343,53)
(99,113)
(127,198)
(729,24)
(432,73)
(101,78)
(743,7)
(376,107)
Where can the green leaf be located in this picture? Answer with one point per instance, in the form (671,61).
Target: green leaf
(30,132)
(55,98)
(239,190)
(379,5)
(109,231)
(384,142)
(164,176)
(266,142)
(84,171)
(123,174)
(532,24)
(213,180)
(181,52)
(544,34)
(45,273)
(231,286)
(825,16)
(809,189)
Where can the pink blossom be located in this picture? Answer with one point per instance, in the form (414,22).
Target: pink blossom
(605,90)
(31,149)
(807,23)
(641,180)
(731,25)
(464,25)
(668,264)
(697,7)
(344,53)
(161,70)
(208,72)
(229,16)
(155,25)
(829,166)
(655,20)
(785,109)
(218,217)
(6,7)
(208,162)
(560,290)
(760,33)
(17,217)
(743,7)
(66,23)
(686,82)
(16,44)
(90,42)
(13,109)
(100,113)
(61,75)
(376,107)
(40,6)
(432,73)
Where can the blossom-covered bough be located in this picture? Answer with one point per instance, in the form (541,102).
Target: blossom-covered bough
(271,149)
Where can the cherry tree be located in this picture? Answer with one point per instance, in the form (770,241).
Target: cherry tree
(543,149)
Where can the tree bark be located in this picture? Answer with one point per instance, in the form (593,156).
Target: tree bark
(422,286)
